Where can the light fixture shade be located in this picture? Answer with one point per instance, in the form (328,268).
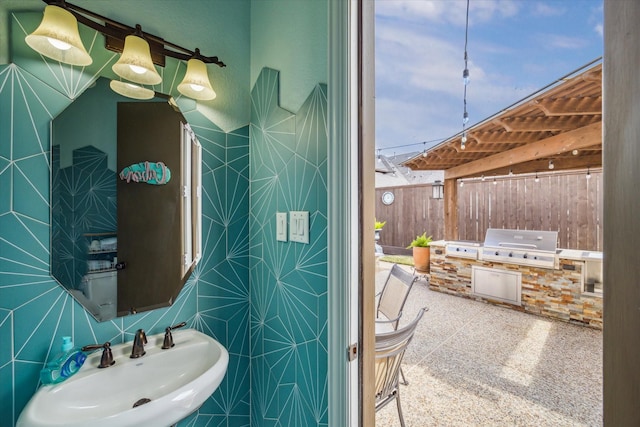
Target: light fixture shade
(135,63)
(131,90)
(437,189)
(196,83)
(57,37)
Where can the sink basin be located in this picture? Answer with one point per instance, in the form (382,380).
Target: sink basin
(177,381)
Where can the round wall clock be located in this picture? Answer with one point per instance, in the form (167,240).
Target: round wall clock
(388,197)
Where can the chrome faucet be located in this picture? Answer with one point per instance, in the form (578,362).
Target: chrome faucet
(139,340)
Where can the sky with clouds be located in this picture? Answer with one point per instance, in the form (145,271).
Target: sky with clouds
(515,47)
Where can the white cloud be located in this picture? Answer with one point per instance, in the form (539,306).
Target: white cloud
(561,42)
(446,11)
(544,9)
(599,28)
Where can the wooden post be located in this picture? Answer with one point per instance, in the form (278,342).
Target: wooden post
(450,209)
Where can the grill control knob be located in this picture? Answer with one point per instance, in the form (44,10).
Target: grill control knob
(497,253)
(457,249)
(525,256)
(510,254)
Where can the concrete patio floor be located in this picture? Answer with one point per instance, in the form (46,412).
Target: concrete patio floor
(476,364)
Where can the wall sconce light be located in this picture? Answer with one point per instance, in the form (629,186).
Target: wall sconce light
(57,37)
(437,190)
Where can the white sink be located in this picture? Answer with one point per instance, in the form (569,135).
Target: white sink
(177,381)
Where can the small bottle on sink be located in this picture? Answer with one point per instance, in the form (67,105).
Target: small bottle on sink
(64,364)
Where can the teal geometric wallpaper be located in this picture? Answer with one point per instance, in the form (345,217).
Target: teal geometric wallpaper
(35,311)
(264,300)
(288,279)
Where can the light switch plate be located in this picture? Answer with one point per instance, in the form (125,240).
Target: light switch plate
(299,226)
(281,226)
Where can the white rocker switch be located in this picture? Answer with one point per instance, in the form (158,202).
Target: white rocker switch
(299,226)
(281,226)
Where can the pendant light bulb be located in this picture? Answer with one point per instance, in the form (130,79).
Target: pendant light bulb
(196,82)
(57,37)
(135,63)
(537,179)
(465,118)
(551,165)
(588,174)
(465,76)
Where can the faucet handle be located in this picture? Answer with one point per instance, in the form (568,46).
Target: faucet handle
(107,356)
(168,338)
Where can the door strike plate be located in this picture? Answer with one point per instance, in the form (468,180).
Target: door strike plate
(352,352)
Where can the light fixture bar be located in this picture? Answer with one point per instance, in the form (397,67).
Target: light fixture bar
(118,31)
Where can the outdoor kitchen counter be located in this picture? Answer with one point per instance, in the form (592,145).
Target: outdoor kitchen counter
(571,291)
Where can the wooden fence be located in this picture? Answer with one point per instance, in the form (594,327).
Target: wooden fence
(568,203)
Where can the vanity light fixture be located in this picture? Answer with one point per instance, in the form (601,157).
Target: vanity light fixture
(58,38)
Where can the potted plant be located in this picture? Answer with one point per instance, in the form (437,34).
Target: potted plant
(421,252)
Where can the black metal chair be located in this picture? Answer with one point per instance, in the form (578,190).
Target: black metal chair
(390,349)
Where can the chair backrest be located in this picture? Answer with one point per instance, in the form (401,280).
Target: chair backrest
(390,349)
(394,293)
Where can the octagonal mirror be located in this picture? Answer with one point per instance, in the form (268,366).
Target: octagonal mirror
(125,205)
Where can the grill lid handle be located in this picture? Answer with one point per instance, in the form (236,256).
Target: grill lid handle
(522,245)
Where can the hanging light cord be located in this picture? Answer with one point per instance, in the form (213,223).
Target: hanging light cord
(465,78)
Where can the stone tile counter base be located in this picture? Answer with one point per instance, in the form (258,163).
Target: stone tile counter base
(555,293)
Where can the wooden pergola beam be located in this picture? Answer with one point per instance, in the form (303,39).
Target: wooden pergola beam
(570,109)
(502,138)
(583,137)
(535,124)
(560,163)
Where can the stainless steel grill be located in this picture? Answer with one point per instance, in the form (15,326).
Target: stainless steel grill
(463,249)
(523,247)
